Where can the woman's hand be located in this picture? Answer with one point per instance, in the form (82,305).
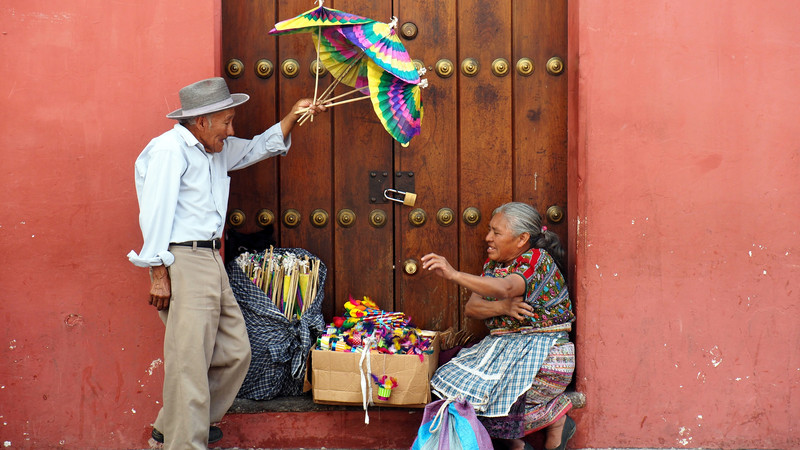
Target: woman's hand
(517,308)
(439,265)
(479,308)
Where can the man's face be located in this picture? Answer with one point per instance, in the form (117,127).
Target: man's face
(213,132)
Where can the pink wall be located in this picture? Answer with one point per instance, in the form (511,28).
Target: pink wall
(83,87)
(686,180)
(685,169)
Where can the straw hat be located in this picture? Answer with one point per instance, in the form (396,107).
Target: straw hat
(206,97)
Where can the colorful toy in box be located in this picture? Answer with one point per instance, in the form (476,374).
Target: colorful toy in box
(392,332)
(385,386)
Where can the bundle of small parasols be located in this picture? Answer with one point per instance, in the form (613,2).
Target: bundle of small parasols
(291,282)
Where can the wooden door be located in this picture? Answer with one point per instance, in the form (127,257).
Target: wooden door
(494,130)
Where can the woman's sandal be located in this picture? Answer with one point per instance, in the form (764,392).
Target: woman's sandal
(566,433)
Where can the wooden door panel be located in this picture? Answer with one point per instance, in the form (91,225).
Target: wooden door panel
(430,300)
(485,126)
(485,140)
(363,253)
(254,187)
(540,108)
(306,173)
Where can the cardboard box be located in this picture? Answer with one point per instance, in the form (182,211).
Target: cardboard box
(335,377)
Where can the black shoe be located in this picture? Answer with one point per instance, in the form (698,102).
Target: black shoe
(566,433)
(214,435)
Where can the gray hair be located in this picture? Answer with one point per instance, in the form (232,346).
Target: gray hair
(192,121)
(524,218)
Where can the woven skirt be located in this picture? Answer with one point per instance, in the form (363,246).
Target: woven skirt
(544,403)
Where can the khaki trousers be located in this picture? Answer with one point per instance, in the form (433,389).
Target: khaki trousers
(206,349)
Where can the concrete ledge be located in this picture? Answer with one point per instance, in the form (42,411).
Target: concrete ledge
(298,422)
(302,403)
(305,403)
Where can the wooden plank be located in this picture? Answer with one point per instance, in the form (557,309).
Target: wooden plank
(484,33)
(363,254)
(540,108)
(430,300)
(244,37)
(306,173)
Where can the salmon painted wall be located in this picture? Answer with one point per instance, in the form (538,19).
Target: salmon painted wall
(684,186)
(685,152)
(83,87)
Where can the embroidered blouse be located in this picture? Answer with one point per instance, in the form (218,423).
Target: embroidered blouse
(545,290)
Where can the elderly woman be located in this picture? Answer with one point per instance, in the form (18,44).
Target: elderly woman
(515,377)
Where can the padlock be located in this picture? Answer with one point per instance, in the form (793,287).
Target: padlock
(408,198)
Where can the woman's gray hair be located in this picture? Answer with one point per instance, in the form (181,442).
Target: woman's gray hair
(524,218)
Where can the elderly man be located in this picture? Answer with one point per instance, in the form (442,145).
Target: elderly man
(182,184)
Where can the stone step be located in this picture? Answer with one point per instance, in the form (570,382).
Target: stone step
(298,422)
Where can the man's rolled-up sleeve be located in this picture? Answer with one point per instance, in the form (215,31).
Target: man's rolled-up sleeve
(159,187)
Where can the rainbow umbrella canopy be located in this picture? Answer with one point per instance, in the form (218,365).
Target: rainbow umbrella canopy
(343,59)
(312,19)
(380,42)
(397,103)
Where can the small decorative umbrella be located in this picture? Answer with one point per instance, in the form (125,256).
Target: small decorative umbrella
(343,59)
(342,40)
(314,20)
(376,40)
(320,16)
(380,42)
(396,103)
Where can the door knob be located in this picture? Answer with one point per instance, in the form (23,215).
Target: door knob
(410,266)
(319,218)
(500,67)
(290,67)
(346,218)
(417,217)
(408,30)
(445,216)
(555,214)
(555,65)
(472,215)
(291,218)
(470,67)
(377,218)
(236,218)
(265,217)
(444,68)
(234,68)
(264,68)
(317,68)
(525,66)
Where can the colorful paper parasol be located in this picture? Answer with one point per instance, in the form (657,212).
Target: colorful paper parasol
(344,60)
(318,17)
(396,103)
(314,20)
(380,42)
